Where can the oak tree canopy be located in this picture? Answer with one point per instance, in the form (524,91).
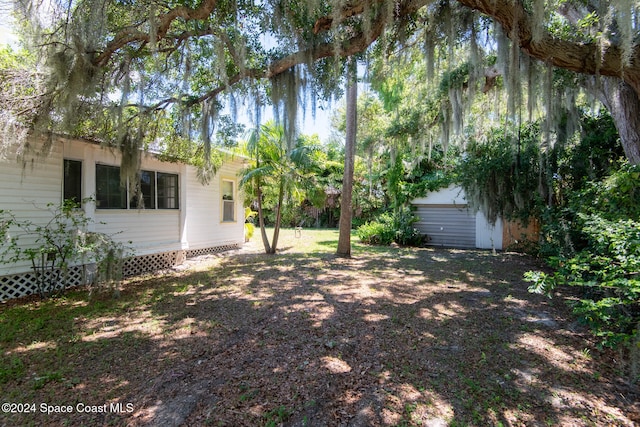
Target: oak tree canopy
(128,71)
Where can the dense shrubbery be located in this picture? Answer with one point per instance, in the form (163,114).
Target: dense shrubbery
(379,232)
(588,201)
(501,175)
(392,227)
(594,243)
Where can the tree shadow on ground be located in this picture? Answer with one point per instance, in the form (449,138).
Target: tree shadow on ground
(432,336)
(391,337)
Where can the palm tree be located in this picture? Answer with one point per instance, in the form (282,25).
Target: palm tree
(278,168)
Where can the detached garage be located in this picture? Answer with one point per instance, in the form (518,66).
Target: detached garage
(447,221)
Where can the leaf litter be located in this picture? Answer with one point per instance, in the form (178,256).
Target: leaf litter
(392,336)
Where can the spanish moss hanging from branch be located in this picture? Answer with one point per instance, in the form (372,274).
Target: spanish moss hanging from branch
(285,88)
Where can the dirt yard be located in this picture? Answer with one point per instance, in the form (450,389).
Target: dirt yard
(390,337)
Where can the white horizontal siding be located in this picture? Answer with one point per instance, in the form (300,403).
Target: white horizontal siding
(488,236)
(204,227)
(149,231)
(197,224)
(27,191)
(145,231)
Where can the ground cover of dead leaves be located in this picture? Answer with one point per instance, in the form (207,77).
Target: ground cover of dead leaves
(390,337)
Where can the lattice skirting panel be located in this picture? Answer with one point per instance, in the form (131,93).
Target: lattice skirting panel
(20,285)
(23,284)
(154,262)
(214,250)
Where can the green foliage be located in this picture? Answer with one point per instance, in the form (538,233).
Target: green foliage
(607,269)
(595,153)
(278,176)
(53,247)
(277,416)
(392,227)
(249,225)
(601,254)
(11,60)
(456,78)
(12,368)
(405,233)
(379,232)
(616,196)
(501,175)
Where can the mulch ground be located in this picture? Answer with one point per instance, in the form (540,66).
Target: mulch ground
(425,337)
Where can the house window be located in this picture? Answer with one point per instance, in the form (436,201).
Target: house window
(228,201)
(167,191)
(156,190)
(146,197)
(72,182)
(109,193)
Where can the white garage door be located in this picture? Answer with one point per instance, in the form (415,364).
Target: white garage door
(448,226)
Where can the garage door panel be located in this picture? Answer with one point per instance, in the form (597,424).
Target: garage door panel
(447,226)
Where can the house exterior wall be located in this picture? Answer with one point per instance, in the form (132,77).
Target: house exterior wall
(27,190)
(204,206)
(194,225)
(149,230)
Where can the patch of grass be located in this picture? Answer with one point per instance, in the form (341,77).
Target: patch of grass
(42,380)
(249,395)
(11,368)
(276,416)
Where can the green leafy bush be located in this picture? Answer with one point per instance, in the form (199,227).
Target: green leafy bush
(593,242)
(609,271)
(405,233)
(616,196)
(392,227)
(377,232)
(501,174)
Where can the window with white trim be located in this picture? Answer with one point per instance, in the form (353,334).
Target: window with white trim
(228,201)
(167,185)
(146,192)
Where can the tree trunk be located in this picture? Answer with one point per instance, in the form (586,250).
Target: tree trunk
(263,231)
(344,240)
(276,228)
(623,104)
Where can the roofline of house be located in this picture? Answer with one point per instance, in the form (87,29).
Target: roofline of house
(223,151)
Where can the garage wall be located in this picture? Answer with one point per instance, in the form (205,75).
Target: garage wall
(488,236)
(447,225)
(447,221)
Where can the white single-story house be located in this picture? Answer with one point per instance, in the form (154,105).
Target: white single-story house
(447,221)
(181,217)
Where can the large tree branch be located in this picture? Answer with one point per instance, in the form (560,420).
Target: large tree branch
(357,43)
(585,58)
(165,20)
